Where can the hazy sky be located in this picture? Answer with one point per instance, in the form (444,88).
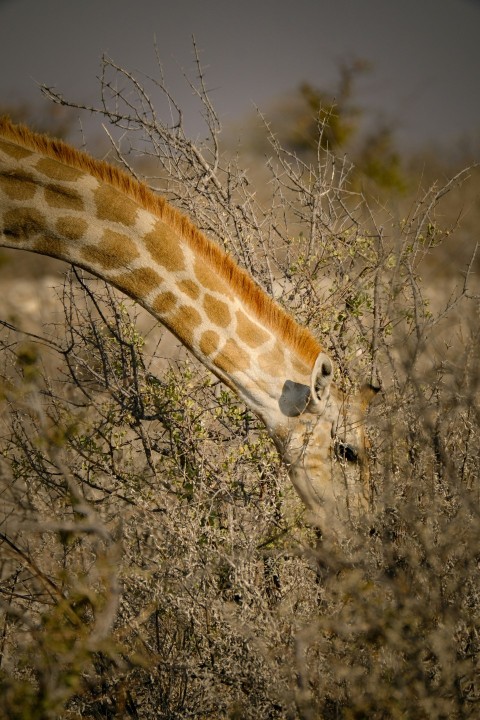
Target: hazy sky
(425,53)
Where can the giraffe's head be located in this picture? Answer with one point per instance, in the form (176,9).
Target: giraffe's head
(325,447)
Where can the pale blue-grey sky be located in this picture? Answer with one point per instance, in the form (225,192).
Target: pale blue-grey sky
(425,53)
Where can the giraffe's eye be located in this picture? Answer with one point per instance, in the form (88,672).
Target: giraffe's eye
(347,452)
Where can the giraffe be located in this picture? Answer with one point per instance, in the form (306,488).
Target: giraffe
(58,201)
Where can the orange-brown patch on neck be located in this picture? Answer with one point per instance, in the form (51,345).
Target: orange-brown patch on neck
(18,185)
(184,323)
(232,358)
(248,331)
(272,361)
(164,302)
(113,251)
(23,223)
(58,171)
(114,206)
(190,288)
(164,247)
(217,311)
(63,197)
(138,283)
(209,342)
(14,151)
(71,227)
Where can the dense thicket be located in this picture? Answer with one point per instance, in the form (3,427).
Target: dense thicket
(154,560)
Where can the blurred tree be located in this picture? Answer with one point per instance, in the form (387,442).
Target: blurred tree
(44,117)
(314,120)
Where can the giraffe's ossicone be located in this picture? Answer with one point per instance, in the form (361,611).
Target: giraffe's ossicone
(57,201)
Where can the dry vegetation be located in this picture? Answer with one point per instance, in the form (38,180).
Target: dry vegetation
(154,562)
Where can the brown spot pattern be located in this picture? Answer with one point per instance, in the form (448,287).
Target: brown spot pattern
(248,331)
(273,361)
(138,283)
(217,311)
(56,247)
(23,223)
(114,250)
(18,185)
(184,322)
(190,288)
(115,206)
(71,227)
(163,245)
(208,279)
(56,170)
(164,303)
(300,366)
(209,342)
(232,358)
(14,151)
(65,198)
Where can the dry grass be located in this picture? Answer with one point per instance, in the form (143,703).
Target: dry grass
(154,561)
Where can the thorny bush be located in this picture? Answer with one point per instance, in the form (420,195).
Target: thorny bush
(154,560)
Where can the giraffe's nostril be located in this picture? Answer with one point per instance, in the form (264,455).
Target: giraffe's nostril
(347,452)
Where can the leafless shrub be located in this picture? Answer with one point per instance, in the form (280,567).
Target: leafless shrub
(119,473)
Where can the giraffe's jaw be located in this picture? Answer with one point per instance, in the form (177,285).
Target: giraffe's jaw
(307,455)
(327,463)
(334,493)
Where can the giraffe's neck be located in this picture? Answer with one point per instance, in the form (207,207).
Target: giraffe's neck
(58,202)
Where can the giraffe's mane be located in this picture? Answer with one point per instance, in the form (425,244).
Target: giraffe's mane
(263,307)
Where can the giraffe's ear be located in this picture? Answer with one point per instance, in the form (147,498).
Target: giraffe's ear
(322,374)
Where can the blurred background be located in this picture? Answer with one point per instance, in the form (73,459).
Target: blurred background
(394,83)
(177,496)
(420,59)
